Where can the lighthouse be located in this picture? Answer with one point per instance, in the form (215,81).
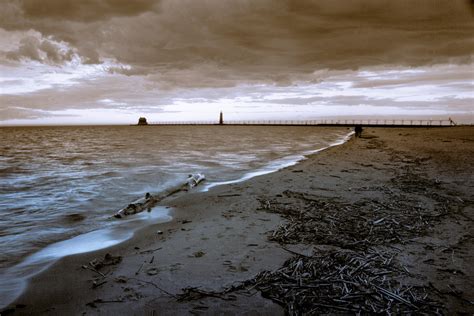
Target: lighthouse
(221,119)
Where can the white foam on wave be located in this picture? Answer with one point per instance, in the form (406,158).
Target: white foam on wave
(278,164)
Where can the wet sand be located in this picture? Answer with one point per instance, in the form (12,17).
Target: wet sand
(233,232)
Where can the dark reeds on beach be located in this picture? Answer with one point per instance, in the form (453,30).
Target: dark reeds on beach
(355,270)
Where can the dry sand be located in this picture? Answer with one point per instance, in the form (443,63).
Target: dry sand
(221,238)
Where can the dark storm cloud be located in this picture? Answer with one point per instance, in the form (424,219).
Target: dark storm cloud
(215,42)
(40,50)
(10,113)
(295,35)
(83,10)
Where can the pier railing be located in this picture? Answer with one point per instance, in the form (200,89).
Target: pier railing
(373,122)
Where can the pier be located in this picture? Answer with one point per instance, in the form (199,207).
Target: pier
(327,123)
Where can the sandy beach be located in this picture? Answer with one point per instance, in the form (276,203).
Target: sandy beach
(380,223)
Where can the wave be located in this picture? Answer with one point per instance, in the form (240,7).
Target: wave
(279,164)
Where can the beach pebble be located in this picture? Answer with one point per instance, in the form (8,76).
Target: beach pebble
(121,279)
(152,271)
(199,254)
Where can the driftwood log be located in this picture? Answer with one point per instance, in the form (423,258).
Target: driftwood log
(149,201)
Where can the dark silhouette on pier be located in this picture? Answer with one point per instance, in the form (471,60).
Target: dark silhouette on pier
(358,130)
(142,121)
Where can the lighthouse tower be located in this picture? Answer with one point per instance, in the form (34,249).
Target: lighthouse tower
(221,119)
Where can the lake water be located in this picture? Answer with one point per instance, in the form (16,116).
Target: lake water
(60,182)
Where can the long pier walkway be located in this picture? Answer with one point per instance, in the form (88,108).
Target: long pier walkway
(335,123)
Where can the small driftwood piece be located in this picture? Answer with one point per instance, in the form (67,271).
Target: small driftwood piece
(138,206)
(97,264)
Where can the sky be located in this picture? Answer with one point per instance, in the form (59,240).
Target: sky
(111,61)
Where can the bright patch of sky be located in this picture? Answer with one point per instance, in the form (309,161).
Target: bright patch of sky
(36,76)
(51,93)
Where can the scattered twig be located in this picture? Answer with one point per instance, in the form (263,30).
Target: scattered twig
(149,250)
(156,286)
(93,270)
(96,284)
(141,266)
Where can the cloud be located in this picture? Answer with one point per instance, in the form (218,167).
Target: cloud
(54,53)
(11,113)
(28,49)
(85,10)
(434,88)
(42,50)
(156,55)
(248,41)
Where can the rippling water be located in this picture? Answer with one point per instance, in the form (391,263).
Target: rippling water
(58,182)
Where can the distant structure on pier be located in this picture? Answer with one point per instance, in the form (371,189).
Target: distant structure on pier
(142,121)
(221,119)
